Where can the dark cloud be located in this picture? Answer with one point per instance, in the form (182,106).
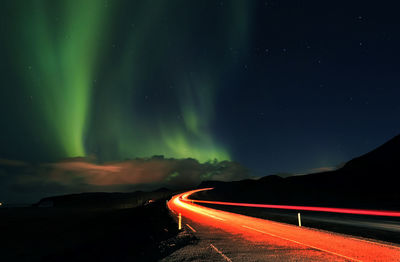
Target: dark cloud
(24,182)
(9,162)
(322,169)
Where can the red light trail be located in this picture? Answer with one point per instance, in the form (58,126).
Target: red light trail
(267,232)
(302,208)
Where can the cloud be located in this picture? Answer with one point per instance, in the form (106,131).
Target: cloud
(156,170)
(322,169)
(10,162)
(76,175)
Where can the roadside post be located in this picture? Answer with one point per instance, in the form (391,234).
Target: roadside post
(179,221)
(299,218)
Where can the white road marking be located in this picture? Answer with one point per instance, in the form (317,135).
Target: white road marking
(324,250)
(222,254)
(191,228)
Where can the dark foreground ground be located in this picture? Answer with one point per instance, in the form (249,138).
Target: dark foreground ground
(145,233)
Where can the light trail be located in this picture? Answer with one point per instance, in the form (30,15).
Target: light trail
(302,208)
(196,209)
(270,232)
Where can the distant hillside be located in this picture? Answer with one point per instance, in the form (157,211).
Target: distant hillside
(368,181)
(104,200)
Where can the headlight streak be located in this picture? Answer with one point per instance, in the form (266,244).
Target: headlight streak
(290,207)
(266,232)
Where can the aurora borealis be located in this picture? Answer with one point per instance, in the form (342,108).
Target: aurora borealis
(67,49)
(274,85)
(63,51)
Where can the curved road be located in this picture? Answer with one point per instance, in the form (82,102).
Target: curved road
(234,237)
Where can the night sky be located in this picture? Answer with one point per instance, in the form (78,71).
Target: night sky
(278,86)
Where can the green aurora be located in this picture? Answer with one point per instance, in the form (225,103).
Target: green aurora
(124,79)
(62,55)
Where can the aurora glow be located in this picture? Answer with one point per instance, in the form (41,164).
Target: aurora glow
(277,86)
(62,50)
(75,54)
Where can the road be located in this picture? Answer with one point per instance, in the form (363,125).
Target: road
(227,236)
(375,227)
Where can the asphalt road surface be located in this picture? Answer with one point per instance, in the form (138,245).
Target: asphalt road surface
(225,236)
(375,227)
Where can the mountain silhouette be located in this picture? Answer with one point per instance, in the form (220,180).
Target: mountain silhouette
(368,181)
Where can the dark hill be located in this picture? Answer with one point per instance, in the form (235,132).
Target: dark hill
(100,200)
(368,181)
